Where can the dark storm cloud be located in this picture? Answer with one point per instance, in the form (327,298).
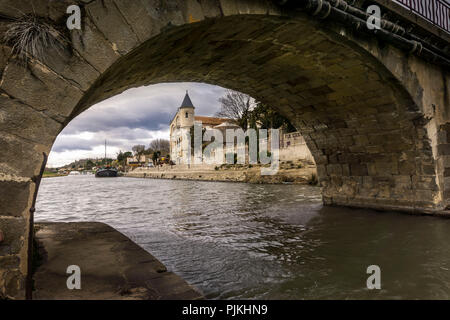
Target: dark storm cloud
(136,116)
(104,120)
(150,108)
(121,137)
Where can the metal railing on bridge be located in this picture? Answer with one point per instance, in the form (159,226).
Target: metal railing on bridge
(435,11)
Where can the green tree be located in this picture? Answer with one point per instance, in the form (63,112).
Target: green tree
(122,157)
(89,165)
(269,118)
(155,156)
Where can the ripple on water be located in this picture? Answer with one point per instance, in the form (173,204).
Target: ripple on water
(236,240)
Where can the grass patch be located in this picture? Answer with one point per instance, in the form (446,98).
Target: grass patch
(48,174)
(32,36)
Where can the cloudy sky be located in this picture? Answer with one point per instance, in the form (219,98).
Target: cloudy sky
(136,116)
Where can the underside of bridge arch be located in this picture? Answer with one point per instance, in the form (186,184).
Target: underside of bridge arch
(366,133)
(363,129)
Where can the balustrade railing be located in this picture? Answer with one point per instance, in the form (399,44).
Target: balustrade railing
(435,11)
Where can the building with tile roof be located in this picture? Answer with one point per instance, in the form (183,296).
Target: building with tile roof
(182,123)
(292,145)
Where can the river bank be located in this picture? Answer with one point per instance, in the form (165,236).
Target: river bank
(289,172)
(52,175)
(112,266)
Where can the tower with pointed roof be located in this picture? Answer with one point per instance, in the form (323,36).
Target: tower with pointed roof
(187,102)
(181,125)
(186,112)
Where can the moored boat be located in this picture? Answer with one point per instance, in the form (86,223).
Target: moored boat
(106,173)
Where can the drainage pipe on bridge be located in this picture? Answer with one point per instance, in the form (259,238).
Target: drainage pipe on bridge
(340,11)
(386,25)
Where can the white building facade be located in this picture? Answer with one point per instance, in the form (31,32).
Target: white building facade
(292,145)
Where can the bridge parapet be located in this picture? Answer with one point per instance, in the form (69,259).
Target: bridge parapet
(429,19)
(435,11)
(399,26)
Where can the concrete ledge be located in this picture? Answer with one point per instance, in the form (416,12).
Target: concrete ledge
(112,266)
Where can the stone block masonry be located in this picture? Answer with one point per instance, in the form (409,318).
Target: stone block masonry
(290,172)
(375,117)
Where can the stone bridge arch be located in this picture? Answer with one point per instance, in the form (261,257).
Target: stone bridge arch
(374,117)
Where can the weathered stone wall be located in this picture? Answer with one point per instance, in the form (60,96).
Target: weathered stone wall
(287,173)
(293,147)
(375,118)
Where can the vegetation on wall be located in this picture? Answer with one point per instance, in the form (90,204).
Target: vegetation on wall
(31,36)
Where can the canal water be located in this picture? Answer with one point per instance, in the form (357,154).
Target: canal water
(236,240)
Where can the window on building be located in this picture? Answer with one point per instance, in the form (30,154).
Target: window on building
(187,115)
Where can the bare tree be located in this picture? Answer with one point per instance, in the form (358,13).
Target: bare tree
(237,106)
(161,145)
(138,149)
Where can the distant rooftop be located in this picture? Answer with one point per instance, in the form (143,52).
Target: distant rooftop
(211,120)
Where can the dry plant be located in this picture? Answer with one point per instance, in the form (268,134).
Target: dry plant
(30,36)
